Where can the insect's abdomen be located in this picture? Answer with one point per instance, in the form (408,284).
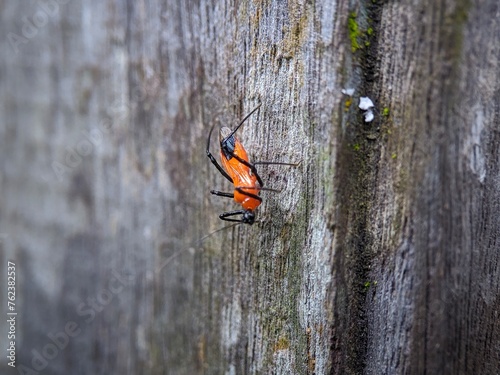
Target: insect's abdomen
(248,203)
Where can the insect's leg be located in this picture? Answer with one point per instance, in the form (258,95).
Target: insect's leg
(212,159)
(254,169)
(270,189)
(225,215)
(251,166)
(222,194)
(276,163)
(241,190)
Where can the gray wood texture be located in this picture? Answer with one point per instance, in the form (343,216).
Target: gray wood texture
(380,255)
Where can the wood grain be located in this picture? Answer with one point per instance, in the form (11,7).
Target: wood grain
(378,256)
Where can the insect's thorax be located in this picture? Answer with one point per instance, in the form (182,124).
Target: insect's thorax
(239,172)
(227,143)
(231,152)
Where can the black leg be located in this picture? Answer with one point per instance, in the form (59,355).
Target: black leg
(225,215)
(254,170)
(251,166)
(242,191)
(222,194)
(269,189)
(276,163)
(212,159)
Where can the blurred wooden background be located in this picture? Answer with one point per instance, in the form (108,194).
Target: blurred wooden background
(379,256)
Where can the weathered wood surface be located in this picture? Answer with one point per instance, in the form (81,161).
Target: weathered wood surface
(379,256)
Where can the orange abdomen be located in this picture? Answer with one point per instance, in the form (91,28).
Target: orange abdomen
(248,203)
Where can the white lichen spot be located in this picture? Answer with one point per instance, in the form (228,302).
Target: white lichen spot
(369,116)
(348,92)
(365,103)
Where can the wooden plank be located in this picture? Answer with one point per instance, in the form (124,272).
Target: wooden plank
(380,253)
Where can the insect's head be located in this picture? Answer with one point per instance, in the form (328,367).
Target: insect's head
(227,142)
(248,217)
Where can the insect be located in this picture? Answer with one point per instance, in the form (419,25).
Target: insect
(238,170)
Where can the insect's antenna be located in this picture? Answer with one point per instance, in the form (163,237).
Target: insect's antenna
(242,121)
(200,240)
(210,136)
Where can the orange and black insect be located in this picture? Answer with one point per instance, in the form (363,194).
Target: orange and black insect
(237,168)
